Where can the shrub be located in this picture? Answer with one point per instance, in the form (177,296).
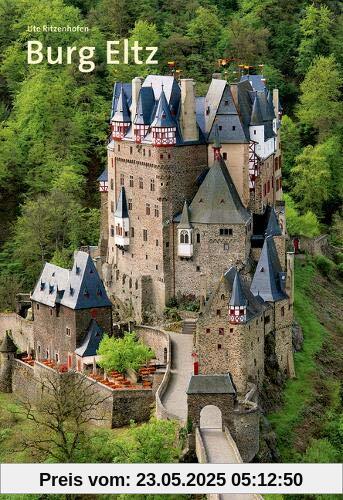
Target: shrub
(326,266)
(340,269)
(172,302)
(339,257)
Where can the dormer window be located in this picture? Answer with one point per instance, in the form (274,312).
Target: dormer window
(71,290)
(262,269)
(51,288)
(42,285)
(99,292)
(77,270)
(86,293)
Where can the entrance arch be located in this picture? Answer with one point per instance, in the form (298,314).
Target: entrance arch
(211,418)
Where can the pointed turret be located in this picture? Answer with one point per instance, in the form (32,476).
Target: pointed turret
(216,143)
(103,181)
(256,118)
(238,301)
(121,221)
(163,125)
(185,234)
(142,118)
(121,119)
(269,281)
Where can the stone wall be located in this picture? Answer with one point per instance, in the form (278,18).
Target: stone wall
(246,430)
(22,330)
(157,339)
(225,403)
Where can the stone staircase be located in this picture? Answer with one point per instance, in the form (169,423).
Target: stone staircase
(189,326)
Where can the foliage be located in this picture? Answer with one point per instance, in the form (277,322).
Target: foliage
(336,230)
(300,225)
(171,314)
(326,266)
(291,145)
(124,353)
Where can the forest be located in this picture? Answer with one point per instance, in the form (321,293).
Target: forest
(54,118)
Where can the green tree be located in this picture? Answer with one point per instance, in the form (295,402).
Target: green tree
(316,30)
(291,146)
(300,225)
(320,106)
(124,353)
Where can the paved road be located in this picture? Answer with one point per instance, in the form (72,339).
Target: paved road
(175,397)
(217,447)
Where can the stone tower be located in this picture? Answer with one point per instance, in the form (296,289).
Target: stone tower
(7,354)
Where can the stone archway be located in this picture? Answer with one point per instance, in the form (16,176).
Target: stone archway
(211,417)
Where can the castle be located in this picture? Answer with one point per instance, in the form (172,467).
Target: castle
(191,209)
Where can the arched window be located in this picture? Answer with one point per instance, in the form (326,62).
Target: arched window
(184,237)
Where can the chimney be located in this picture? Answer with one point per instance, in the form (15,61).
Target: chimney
(276,101)
(234,92)
(188,121)
(136,87)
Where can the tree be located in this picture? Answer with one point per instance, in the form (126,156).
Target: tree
(69,402)
(124,353)
(300,225)
(320,92)
(291,146)
(316,36)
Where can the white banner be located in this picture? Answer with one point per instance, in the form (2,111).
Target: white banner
(170,478)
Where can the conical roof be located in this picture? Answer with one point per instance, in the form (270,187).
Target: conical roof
(273,227)
(121,209)
(90,343)
(268,275)
(270,107)
(184,221)
(145,105)
(217,200)
(7,344)
(162,116)
(238,297)
(122,113)
(256,112)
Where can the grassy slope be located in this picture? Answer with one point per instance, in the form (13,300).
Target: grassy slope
(314,394)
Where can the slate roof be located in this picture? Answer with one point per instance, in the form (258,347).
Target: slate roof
(255,305)
(121,209)
(217,200)
(145,106)
(103,177)
(273,227)
(269,279)
(91,341)
(162,116)
(122,113)
(7,344)
(184,220)
(211,384)
(256,81)
(127,89)
(78,288)
(238,297)
(256,113)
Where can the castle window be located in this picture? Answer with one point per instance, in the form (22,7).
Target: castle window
(145,235)
(258,339)
(39,349)
(146,256)
(141,183)
(112,206)
(152,185)
(131,150)
(156,267)
(219,346)
(130,283)
(37,307)
(136,285)
(157,243)
(222,296)
(282,311)
(143,152)
(251,345)
(230,232)
(122,179)
(198,237)
(184,237)
(222,201)
(255,361)
(226,103)
(169,155)
(254,131)
(157,211)
(218,312)
(86,293)
(220,127)
(241,312)
(233,127)
(226,246)
(208,110)
(118,147)
(68,332)
(130,203)
(231,330)
(161,156)
(208,330)
(112,184)
(123,279)
(266,320)
(50,312)
(224,156)
(112,231)
(149,152)
(117,274)
(147,208)
(98,292)
(167,244)
(221,331)
(132,232)
(131,180)
(47,354)
(198,268)
(57,358)
(201,200)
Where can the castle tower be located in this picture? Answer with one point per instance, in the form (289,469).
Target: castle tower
(163,126)
(185,235)
(122,222)
(7,354)
(121,120)
(238,302)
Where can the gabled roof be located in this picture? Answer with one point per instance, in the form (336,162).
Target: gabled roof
(212,101)
(7,344)
(145,106)
(269,279)
(211,384)
(103,177)
(184,221)
(217,200)
(238,297)
(122,113)
(273,227)
(121,209)
(162,116)
(256,81)
(78,288)
(91,341)
(256,113)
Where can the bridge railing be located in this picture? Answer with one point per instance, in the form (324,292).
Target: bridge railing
(200,447)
